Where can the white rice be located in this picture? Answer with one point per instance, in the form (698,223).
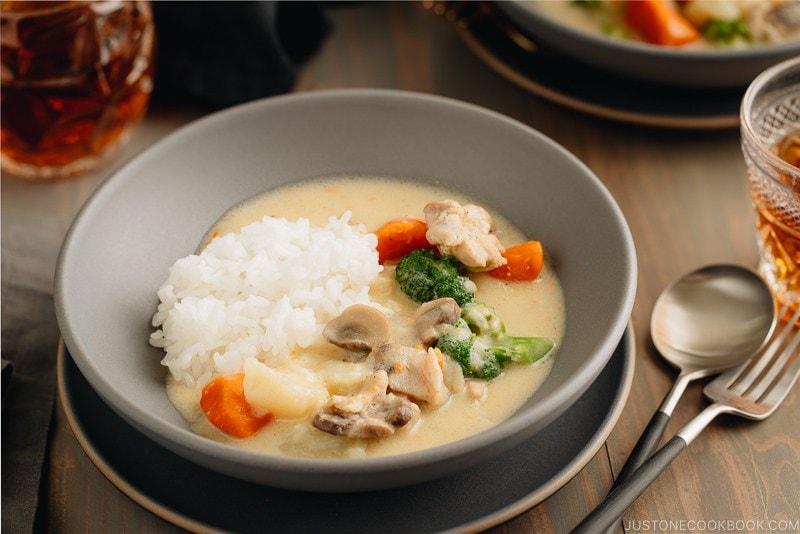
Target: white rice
(262,292)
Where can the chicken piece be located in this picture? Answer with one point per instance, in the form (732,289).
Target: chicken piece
(453,375)
(477,390)
(415,372)
(774,22)
(370,413)
(464,232)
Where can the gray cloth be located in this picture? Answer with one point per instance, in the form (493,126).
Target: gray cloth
(30,340)
(197,41)
(35,217)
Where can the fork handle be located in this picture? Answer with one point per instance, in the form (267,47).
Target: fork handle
(620,498)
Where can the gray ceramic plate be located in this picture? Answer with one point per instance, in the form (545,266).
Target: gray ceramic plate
(158,207)
(642,61)
(520,479)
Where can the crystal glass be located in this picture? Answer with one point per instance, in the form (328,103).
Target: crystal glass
(770,132)
(75,77)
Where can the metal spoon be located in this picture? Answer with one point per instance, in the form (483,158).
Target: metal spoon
(707,321)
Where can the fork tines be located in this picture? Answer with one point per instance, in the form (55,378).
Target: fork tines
(761,374)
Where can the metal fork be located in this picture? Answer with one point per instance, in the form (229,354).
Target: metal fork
(753,390)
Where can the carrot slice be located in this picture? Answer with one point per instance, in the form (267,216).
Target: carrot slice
(524,262)
(398,237)
(224,403)
(658,22)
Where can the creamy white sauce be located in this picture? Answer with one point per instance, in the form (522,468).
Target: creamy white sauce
(527,308)
(585,19)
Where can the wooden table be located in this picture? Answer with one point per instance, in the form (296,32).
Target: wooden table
(685,197)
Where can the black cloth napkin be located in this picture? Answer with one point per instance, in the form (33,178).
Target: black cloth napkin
(225,53)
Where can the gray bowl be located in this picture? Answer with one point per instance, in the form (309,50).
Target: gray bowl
(645,62)
(157,208)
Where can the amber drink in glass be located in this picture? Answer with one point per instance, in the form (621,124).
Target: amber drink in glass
(770,130)
(75,77)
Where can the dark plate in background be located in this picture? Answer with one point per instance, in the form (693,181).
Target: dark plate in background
(504,47)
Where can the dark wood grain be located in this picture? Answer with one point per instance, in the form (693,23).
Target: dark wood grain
(685,197)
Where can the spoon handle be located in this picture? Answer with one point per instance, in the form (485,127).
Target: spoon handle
(647,444)
(654,431)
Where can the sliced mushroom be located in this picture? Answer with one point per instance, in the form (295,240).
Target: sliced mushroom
(432,317)
(370,413)
(359,328)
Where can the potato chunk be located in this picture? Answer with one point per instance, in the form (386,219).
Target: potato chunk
(288,392)
(343,378)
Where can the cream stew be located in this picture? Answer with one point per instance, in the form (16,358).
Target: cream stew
(527,308)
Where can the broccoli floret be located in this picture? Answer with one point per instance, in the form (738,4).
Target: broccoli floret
(725,32)
(423,277)
(461,344)
(482,319)
(520,349)
(479,344)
